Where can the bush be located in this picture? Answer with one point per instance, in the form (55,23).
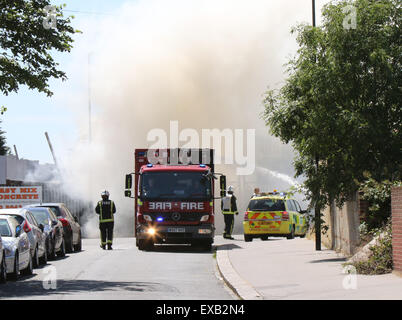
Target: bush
(380,260)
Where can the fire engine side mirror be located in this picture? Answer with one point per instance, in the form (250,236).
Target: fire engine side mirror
(129,181)
(222,182)
(127,193)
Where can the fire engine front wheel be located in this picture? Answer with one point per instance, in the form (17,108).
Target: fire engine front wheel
(145,244)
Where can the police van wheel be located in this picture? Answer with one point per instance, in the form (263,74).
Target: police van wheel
(248,238)
(292,234)
(264,238)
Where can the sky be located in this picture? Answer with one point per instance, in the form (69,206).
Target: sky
(30,114)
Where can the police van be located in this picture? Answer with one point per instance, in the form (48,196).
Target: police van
(274,214)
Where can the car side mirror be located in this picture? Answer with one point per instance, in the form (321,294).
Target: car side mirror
(41,227)
(54,223)
(18,231)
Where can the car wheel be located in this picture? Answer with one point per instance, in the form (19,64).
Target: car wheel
(69,245)
(36,258)
(248,238)
(3,270)
(264,238)
(292,233)
(29,269)
(78,246)
(52,253)
(16,273)
(43,259)
(62,251)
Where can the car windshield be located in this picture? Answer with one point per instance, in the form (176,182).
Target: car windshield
(56,211)
(266,205)
(41,215)
(175,186)
(5,230)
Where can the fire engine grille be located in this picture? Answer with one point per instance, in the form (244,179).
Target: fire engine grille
(178,216)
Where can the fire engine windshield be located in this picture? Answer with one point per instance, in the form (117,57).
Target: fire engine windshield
(175,186)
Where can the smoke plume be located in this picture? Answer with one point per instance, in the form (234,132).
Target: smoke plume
(205,64)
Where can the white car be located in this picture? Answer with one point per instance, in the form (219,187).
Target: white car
(34,231)
(17,247)
(3,266)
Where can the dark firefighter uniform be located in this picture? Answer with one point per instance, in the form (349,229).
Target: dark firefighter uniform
(229,209)
(106,210)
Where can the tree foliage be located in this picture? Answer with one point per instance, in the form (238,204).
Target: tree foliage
(26,44)
(4,149)
(341,101)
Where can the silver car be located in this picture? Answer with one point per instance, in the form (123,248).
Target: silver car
(35,233)
(17,247)
(3,266)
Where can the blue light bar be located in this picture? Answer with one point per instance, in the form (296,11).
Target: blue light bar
(150,165)
(159,219)
(202,165)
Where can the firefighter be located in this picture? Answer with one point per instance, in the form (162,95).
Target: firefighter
(229,209)
(106,210)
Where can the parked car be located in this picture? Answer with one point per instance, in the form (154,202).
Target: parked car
(71,227)
(17,247)
(35,234)
(3,266)
(53,230)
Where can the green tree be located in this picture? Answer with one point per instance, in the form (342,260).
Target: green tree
(341,102)
(3,147)
(27,40)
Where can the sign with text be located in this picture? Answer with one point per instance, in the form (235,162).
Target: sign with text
(18,197)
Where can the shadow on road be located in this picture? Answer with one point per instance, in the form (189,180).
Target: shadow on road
(32,288)
(329,260)
(180,249)
(229,246)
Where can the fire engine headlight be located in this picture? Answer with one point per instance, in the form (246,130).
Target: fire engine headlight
(204,231)
(204,218)
(151,231)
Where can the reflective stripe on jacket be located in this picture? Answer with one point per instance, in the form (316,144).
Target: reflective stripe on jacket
(106,210)
(229,204)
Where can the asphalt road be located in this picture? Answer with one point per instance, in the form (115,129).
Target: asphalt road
(172,273)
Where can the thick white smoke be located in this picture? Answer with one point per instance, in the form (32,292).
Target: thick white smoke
(203,63)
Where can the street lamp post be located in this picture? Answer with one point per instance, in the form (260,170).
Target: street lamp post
(317,211)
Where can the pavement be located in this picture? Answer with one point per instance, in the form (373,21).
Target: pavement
(281,269)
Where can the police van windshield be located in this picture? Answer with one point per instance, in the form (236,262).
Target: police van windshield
(169,185)
(266,205)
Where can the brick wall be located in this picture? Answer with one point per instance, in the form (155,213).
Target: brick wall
(396,202)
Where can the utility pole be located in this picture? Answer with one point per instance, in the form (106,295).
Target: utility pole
(89,100)
(317,211)
(51,148)
(16,152)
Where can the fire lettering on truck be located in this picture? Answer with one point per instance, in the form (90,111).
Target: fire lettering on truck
(160,206)
(192,206)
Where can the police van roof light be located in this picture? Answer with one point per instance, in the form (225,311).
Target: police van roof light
(150,165)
